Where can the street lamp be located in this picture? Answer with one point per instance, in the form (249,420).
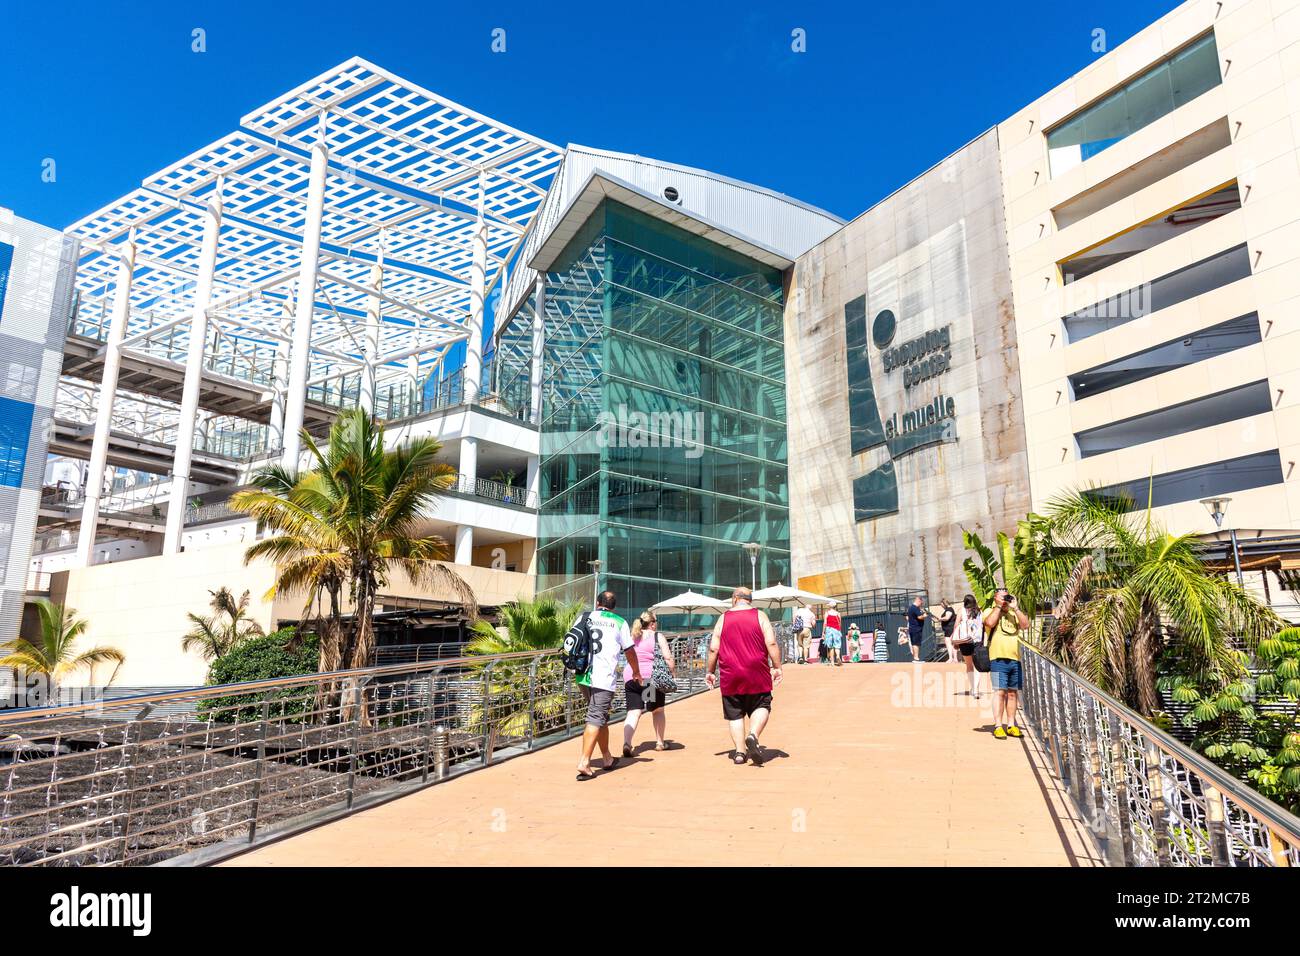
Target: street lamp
(1218,508)
(753,548)
(595,566)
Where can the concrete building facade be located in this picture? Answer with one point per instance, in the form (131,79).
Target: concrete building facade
(904,385)
(1153,219)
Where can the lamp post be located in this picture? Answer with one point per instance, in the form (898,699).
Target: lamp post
(753,548)
(1218,508)
(595,565)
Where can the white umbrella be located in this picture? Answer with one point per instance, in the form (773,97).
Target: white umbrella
(779,595)
(690,602)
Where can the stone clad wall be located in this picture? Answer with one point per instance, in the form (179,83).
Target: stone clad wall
(935,254)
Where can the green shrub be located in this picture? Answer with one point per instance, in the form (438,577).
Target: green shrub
(263,658)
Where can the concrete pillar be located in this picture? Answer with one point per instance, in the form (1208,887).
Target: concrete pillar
(464,544)
(94,483)
(469,458)
(374,315)
(300,353)
(477,287)
(539,343)
(198,341)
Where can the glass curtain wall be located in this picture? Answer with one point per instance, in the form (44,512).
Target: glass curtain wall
(663,426)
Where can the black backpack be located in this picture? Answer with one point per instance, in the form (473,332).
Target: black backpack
(577,645)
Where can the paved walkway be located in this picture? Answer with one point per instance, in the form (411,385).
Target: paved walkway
(866,766)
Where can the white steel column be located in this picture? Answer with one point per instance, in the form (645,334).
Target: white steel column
(468,477)
(416,403)
(107,392)
(193,372)
(533,485)
(477,288)
(374,316)
(539,343)
(279,383)
(299,357)
(204,419)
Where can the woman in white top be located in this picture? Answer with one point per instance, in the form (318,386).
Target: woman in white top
(645,695)
(969,633)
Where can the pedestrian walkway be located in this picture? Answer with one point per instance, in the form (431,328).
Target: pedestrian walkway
(867,765)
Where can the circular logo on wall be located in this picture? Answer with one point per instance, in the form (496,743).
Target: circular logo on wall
(883,328)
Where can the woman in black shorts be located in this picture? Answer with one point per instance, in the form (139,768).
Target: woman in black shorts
(967,634)
(644,695)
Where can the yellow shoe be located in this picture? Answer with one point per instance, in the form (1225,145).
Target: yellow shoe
(999,733)
(1013,731)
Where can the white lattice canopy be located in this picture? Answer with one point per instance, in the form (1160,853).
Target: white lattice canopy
(410,176)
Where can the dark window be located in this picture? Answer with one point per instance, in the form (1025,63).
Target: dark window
(1168,290)
(1203,481)
(1195,347)
(1226,406)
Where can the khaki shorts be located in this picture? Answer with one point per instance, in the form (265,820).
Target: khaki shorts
(598,704)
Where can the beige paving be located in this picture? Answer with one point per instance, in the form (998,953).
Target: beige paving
(868,765)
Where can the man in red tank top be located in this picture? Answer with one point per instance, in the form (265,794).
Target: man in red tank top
(744,652)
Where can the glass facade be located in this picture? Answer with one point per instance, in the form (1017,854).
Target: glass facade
(1160,90)
(663,439)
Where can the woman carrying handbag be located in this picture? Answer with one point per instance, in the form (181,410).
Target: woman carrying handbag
(655,659)
(968,641)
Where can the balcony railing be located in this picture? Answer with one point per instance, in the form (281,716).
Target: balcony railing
(206,772)
(496,491)
(1148,799)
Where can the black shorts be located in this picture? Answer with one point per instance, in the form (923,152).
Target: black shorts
(639,697)
(967,649)
(736,706)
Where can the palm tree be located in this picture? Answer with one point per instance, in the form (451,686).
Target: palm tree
(1132,586)
(529,626)
(347,523)
(216,634)
(54,657)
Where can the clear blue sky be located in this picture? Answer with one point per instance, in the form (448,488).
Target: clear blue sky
(112,92)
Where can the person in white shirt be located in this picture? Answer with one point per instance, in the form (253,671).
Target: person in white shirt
(610,638)
(966,636)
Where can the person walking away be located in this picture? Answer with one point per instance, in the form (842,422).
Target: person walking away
(609,638)
(745,661)
(643,695)
(881,655)
(1003,623)
(967,635)
(948,624)
(803,625)
(832,637)
(916,618)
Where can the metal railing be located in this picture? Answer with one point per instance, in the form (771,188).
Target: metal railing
(206,772)
(494,491)
(1148,799)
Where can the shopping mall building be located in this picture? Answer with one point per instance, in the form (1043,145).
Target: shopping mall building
(640,368)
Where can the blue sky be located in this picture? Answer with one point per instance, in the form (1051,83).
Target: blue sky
(112,92)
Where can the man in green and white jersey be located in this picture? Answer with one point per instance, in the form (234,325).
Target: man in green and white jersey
(610,637)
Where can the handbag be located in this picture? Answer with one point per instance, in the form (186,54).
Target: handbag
(659,673)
